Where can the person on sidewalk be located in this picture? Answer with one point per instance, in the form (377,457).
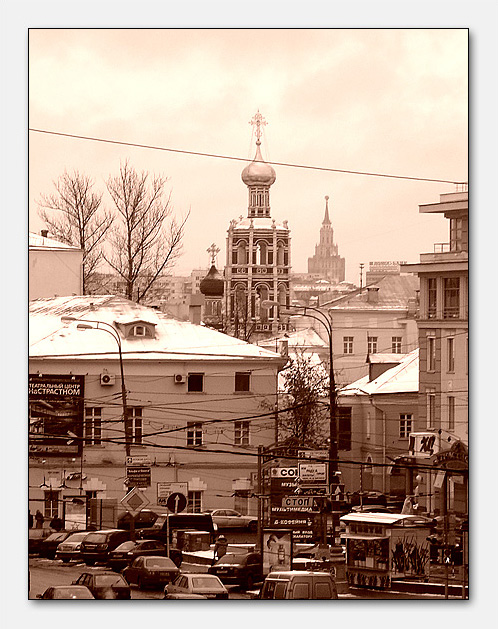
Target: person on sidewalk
(220,548)
(39,519)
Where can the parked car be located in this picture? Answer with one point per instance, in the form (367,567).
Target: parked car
(238,569)
(143,520)
(105,585)
(35,539)
(151,571)
(126,553)
(299,584)
(178,522)
(197,583)
(69,549)
(97,545)
(66,592)
(49,545)
(228,519)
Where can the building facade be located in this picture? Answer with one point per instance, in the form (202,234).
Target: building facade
(258,259)
(54,267)
(193,400)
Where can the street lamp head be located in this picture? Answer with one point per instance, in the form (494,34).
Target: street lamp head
(85,326)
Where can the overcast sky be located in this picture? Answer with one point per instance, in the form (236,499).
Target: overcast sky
(387,101)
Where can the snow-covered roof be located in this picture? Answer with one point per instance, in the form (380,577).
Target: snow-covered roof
(301,338)
(387,518)
(402,378)
(385,358)
(173,339)
(36,241)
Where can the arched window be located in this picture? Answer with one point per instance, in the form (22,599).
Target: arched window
(282,295)
(262,250)
(280,254)
(241,253)
(262,295)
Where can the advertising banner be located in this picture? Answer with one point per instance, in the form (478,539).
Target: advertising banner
(56,405)
(277,550)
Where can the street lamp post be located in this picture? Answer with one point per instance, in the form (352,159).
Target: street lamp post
(327,323)
(85,325)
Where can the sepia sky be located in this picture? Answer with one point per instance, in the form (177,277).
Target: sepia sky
(386,101)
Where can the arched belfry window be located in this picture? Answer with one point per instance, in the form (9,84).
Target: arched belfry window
(282,295)
(242,253)
(262,251)
(280,254)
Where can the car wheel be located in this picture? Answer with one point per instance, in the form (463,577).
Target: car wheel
(140,585)
(249,582)
(65,561)
(253,526)
(90,562)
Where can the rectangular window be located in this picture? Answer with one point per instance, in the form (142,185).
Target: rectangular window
(431,407)
(195,382)
(194,434)
(194,502)
(93,426)
(51,504)
(136,421)
(344,428)
(241,433)
(451,305)
(459,234)
(242,381)
(431,353)
(405,425)
(451,412)
(348,344)
(431,298)
(396,344)
(372,344)
(451,354)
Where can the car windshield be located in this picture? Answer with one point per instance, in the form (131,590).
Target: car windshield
(96,538)
(76,537)
(126,546)
(207,582)
(55,536)
(74,592)
(159,562)
(230,558)
(107,580)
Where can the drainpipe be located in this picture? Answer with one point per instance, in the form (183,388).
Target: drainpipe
(377,408)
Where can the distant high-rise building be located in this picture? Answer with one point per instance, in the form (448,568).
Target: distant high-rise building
(258,256)
(327,262)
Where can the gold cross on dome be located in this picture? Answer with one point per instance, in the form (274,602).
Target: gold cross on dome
(213,250)
(259,121)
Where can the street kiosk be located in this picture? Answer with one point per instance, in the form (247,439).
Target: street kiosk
(382,547)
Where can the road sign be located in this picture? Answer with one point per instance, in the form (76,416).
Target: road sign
(176,502)
(141,459)
(313,473)
(164,491)
(297,502)
(313,454)
(138,476)
(135,501)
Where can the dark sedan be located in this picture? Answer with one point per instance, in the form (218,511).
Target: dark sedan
(126,553)
(151,572)
(105,585)
(48,547)
(238,569)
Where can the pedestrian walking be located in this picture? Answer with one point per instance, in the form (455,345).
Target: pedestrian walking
(39,519)
(220,548)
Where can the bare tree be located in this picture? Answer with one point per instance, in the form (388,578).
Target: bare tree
(73,214)
(146,238)
(302,410)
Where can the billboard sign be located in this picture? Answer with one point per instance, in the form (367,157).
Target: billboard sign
(277,550)
(56,406)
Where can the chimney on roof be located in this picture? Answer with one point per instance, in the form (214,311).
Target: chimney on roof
(194,308)
(373,294)
(44,233)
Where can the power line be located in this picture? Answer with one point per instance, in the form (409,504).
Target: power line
(243,159)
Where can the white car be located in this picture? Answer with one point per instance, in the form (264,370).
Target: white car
(207,585)
(228,518)
(69,549)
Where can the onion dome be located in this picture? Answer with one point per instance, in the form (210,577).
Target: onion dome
(258,172)
(213,284)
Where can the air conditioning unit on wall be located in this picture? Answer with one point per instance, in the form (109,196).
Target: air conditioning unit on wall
(106,379)
(180,378)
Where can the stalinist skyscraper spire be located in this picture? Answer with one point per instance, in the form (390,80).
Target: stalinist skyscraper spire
(327,262)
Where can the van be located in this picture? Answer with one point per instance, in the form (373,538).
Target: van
(98,544)
(299,584)
(179,522)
